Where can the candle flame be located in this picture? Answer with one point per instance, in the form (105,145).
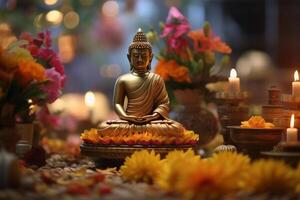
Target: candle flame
(233,73)
(292,121)
(296,76)
(89,99)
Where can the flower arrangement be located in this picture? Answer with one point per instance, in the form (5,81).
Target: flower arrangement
(30,74)
(93,136)
(187,57)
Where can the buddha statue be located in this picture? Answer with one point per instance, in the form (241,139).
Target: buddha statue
(140,97)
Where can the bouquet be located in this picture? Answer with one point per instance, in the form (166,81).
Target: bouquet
(31,75)
(187,57)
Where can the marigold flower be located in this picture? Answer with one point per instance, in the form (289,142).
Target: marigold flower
(256,122)
(171,69)
(173,172)
(29,70)
(232,173)
(142,166)
(205,181)
(204,43)
(271,176)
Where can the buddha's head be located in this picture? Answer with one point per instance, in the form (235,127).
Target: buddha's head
(140,52)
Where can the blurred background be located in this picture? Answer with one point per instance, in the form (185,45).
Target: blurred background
(92,37)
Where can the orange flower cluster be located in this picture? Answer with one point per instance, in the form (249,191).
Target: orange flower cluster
(256,122)
(54,146)
(29,70)
(204,43)
(92,136)
(171,69)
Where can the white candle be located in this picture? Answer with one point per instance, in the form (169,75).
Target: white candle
(234,82)
(89,100)
(296,85)
(292,133)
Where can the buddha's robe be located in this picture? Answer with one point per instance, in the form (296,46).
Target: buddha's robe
(145,96)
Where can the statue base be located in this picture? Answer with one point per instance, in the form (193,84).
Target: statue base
(114,155)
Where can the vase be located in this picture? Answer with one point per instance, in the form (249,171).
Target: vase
(194,115)
(25,143)
(8,138)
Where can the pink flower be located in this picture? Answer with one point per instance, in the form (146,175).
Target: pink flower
(175,29)
(48,119)
(54,85)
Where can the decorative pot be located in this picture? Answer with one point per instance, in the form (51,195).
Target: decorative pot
(25,143)
(193,115)
(9,170)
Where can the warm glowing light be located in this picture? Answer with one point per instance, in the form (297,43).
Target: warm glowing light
(50,2)
(296,76)
(29,101)
(233,73)
(66,48)
(54,16)
(71,20)
(292,122)
(89,99)
(110,9)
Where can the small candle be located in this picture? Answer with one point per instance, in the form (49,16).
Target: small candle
(89,100)
(234,82)
(292,133)
(296,85)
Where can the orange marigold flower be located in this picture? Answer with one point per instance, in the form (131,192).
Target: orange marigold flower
(162,70)
(29,70)
(181,74)
(211,43)
(171,69)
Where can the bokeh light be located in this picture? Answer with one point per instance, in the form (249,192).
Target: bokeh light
(110,9)
(71,20)
(54,16)
(50,2)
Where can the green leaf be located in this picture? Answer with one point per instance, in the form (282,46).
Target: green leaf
(12,46)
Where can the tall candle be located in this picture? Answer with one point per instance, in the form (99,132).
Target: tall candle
(296,85)
(234,82)
(292,133)
(89,100)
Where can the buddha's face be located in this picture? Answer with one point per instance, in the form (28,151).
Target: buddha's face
(140,58)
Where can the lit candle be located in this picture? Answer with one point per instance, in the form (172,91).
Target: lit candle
(89,100)
(234,82)
(292,133)
(296,85)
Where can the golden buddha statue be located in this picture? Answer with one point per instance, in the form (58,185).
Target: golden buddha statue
(140,97)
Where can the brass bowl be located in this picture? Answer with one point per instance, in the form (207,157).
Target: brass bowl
(291,158)
(254,140)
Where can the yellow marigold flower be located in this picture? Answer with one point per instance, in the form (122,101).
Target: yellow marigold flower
(175,169)
(142,166)
(270,176)
(8,61)
(234,167)
(206,181)
(29,70)
(90,135)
